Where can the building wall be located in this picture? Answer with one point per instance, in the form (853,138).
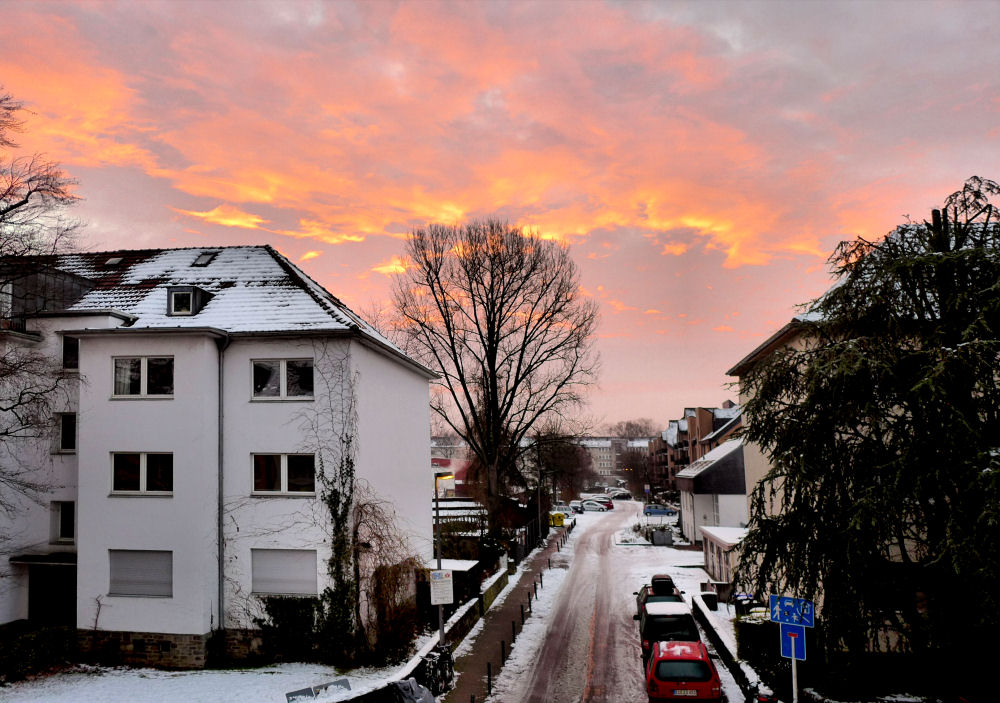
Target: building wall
(307,425)
(30,527)
(394,430)
(392,453)
(710,510)
(183,522)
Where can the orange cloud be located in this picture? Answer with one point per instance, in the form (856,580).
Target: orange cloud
(619,306)
(227,216)
(393,266)
(310,255)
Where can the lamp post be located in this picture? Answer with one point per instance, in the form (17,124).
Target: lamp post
(439,475)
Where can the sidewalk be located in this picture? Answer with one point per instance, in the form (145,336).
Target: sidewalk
(483,656)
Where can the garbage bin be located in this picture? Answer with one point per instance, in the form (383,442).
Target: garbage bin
(710,599)
(663,538)
(556,519)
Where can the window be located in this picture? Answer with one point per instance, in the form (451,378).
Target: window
(141,573)
(134,472)
(63,520)
(181,302)
(70,353)
(284,473)
(282,378)
(283,571)
(144,376)
(205,258)
(66,423)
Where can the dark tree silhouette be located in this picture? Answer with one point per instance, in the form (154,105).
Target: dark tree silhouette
(881,427)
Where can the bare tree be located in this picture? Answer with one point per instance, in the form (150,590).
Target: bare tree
(496,311)
(633,429)
(34,194)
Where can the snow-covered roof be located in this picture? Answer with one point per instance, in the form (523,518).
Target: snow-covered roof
(729,412)
(729,425)
(251,289)
(710,458)
(639,443)
(726,536)
(595,443)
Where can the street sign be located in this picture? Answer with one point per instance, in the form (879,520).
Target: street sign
(793,641)
(442,592)
(793,611)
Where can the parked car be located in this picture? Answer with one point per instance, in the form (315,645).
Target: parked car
(658,509)
(566,510)
(576,506)
(621,495)
(665,622)
(593,505)
(663,584)
(647,595)
(682,671)
(604,499)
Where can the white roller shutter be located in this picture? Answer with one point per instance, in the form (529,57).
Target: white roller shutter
(141,573)
(284,571)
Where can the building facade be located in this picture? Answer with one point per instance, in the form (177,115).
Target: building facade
(208,396)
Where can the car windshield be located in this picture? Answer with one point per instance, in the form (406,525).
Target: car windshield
(682,670)
(669,598)
(671,627)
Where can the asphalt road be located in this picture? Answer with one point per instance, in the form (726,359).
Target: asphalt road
(591,652)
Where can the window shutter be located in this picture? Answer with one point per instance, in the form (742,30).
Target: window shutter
(141,573)
(284,571)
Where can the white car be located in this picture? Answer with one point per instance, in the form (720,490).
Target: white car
(593,505)
(564,509)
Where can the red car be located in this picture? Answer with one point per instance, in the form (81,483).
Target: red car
(682,671)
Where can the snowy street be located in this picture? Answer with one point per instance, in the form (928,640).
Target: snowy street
(582,644)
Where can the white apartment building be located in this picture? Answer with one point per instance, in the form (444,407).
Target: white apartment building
(206,391)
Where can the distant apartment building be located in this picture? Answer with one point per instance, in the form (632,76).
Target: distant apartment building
(689,438)
(605,453)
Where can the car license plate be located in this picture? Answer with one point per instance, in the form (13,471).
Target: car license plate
(685,692)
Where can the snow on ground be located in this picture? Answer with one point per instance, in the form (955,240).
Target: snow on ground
(120,685)
(264,685)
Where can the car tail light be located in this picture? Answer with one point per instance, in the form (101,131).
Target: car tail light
(645,644)
(717,691)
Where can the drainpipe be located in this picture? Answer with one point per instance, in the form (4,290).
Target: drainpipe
(221,345)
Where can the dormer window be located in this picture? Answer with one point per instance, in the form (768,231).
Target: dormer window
(184,301)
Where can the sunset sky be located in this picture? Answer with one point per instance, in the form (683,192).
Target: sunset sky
(701,159)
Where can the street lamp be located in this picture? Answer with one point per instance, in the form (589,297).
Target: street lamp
(438,476)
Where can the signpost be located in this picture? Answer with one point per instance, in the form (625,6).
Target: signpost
(794,615)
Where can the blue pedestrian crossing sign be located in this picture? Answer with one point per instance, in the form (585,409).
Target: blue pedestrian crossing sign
(793,641)
(792,611)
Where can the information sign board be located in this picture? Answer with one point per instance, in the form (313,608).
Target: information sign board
(442,592)
(793,611)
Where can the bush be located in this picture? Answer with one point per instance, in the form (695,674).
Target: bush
(288,629)
(27,649)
